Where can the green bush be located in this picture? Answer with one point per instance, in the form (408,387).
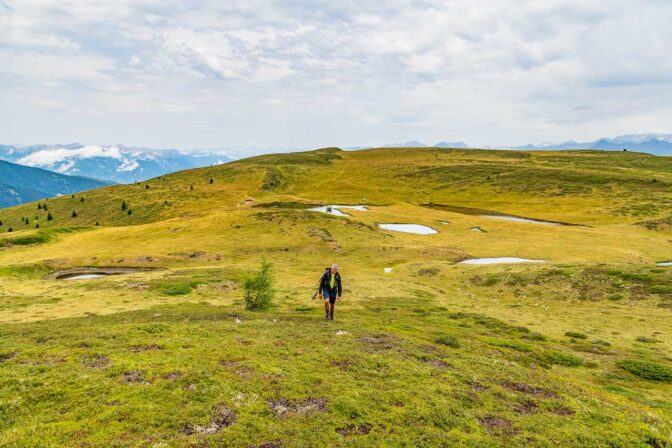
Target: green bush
(561,359)
(175,289)
(450,341)
(647,340)
(534,337)
(660,289)
(258,287)
(647,369)
(575,335)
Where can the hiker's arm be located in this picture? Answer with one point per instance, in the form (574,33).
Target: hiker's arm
(340,289)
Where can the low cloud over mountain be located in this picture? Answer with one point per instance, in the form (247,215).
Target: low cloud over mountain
(111,163)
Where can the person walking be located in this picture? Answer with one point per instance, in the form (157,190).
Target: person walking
(330,289)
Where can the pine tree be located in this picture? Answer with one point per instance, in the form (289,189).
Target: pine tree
(192,188)
(0,222)
(212,180)
(73,196)
(123,206)
(130,212)
(10,229)
(81,200)
(44,207)
(146,187)
(97,224)
(74,214)
(37,226)
(39,206)
(49,217)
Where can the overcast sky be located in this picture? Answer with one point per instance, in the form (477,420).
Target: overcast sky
(312,73)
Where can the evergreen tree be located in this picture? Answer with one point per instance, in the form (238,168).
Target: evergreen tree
(39,206)
(74,214)
(44,207)
(97,224)
(37,226)
(73,196)
(191,188)
(81,200)
(146,187)
(212,180)
(49,217)
(10,229)
(130,212)
(0,222)
(123,206)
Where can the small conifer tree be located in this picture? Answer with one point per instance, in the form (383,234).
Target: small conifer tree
(74,214)
(123,206)
(49,217)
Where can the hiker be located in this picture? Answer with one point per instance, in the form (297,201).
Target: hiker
(330,289)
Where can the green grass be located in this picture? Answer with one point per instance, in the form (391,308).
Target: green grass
(433,353)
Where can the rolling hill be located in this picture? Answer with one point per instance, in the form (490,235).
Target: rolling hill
(19,184)
(572,350)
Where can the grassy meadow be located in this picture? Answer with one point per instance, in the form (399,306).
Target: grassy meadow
(575,351)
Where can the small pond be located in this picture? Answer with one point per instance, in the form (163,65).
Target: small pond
(93,273)
(409,228)
(335,209)
(500,260)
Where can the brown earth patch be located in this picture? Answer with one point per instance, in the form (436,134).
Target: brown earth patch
(286,408)
(355,430)
(222,418)
(530,390)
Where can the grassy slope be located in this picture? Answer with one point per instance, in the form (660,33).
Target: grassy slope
(130,362)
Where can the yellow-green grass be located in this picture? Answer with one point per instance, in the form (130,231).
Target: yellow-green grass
(139,359)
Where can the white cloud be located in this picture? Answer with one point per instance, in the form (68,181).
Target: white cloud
(53,156)
(299,73)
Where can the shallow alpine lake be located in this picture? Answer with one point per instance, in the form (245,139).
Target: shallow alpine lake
(418,229)
(335,209)
(500,260)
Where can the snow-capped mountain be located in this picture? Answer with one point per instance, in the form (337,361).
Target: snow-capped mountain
(116,163)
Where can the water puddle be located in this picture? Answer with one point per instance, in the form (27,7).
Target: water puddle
(525,220)
(93,273)
(500,260)
(664,263)
(81,277)
(495,215)
(409,228)
(335,209)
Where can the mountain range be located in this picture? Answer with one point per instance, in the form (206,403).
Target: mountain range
(652,143)
(113,163)
(19,184)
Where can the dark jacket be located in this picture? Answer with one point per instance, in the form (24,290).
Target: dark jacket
(326,279)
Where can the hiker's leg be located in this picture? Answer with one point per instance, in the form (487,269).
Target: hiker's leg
(333,304)
(326,304)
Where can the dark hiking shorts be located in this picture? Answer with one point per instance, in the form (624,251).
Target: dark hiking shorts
(329,295)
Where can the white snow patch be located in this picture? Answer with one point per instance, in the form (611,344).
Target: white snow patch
(409,228)
(664,263)
(128,165)
(387,270)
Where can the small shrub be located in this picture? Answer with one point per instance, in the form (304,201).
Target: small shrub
(450,341)
(534,336)
(660,289)
(647,369)
(647,340)
(258,287)
(575,335)
(600,342)
(561,359)
(175,289)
